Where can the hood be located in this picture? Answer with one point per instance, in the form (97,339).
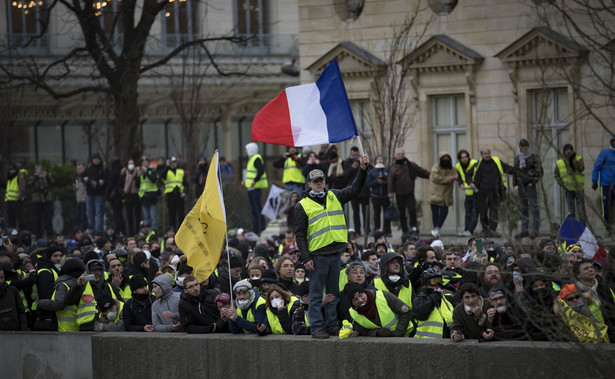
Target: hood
(252,149)
(385,259)
(96,155)
(116,164)
(442,154)
(164,281)
(70,280)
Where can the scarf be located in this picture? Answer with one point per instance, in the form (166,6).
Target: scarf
(593,290)
(523,156)
(369,309)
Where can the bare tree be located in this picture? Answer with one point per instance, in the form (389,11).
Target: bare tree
(113,61)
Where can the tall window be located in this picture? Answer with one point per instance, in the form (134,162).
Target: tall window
(25,21)
(252,21)
(109,16)
(550,117)
(180,22)
(449,135)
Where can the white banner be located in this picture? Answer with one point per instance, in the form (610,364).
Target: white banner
(272,205)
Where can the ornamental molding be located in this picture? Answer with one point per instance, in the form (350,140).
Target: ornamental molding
(354,61)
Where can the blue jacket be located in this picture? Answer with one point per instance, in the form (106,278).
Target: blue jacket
(605,167)
(379,190)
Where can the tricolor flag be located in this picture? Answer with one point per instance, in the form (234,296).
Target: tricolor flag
(309,114)
(201,235)
(573,232)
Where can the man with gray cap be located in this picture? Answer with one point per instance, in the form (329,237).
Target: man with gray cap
(569,173)
(527,173)
(321,235)
(255,181)
(604,167)
(175,190)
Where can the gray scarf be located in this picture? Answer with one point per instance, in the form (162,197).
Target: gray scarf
(523,156)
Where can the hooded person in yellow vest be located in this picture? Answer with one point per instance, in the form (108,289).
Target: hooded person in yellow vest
(490,183)
(14,196)
(321,234)
(292,177)
(175,190)
(465,168)
(378,313)
(393,278)
(255,181)
(569,172)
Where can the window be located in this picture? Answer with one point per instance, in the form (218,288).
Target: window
(25,21)
(252,21)
(549,115)
(449,135)
(110,17)
(180,22)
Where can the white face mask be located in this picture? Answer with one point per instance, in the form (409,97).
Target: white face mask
(131,167)
(58,266)
(467,308)
(379,165)
(501,309)
(243,302)
(111,315)
(180,281)
(394,278)
(276,302)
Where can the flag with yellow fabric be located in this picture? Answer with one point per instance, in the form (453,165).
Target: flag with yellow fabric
(201,235)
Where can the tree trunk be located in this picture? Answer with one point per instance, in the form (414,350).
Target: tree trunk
(127,143)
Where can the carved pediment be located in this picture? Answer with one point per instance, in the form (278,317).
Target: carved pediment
(442,53)
(354,61)
(541,45)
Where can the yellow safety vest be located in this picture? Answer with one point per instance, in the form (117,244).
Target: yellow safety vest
(274,320)
(497,163)
(174,180)
(573,182)
(405,293)
(433,327)
(582,326)
(248,314)
(251,174)
(67,317)
(87,310)
(292,174)
(462,175)
(12,189)
(146,185)
(388,318)
(325,224)
(35,287)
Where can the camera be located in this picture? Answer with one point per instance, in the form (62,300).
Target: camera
(5,240)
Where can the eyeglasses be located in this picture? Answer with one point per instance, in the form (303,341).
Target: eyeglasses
(572,298)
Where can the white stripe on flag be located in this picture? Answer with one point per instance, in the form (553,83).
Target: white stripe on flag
(588,243)
(307,119)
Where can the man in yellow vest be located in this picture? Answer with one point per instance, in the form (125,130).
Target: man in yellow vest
(321,233)
(465,167)
(14,197)
(255,181)
(489,181)
(431,309)
(175,190)
(293,179)
(148,192)
(569,173)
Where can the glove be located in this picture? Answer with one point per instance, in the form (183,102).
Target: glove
(594,186)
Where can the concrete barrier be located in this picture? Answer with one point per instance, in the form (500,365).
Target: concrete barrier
(122,355)
(45,355)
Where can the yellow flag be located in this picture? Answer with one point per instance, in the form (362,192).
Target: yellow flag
(201,235)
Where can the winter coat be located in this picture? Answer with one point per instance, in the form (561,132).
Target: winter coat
(440,183)
(378,190)
(402,175)
(604,167)
(467,324)
(94,173)
(57,304)
(138,313)
(200,314)
(530,174)
(12,312)
(41,193)
(168,302)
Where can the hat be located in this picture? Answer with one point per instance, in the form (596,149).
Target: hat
(378,234)
(304,288)
(261,250)
(351,289)
(437,243)
(12,166)
(289,249)
(95,265)
(236,261)
(315,174)
(269,276)
(136,282)
(524,142)
(41,243)
(223,299)
(567,289)
(105,302)
(242,285)
(567,147)
(300,265)
(572,247)
(139,258)
(173,159)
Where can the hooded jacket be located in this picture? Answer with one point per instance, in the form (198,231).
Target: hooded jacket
(94,173)
(440,183)
(394,288)
(168,302)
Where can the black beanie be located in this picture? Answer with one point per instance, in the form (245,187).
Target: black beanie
(351,289)
(236,261)
(73,267)
(304,288)
(90,256)
(136,282)
(139,258)
(184,269)
(269,276)
(567,147)
(261,251)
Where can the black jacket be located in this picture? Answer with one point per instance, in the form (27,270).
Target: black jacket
(138,313)
(200,314)
(12,312)
(95,173)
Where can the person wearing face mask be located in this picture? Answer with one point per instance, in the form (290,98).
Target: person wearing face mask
(131,197)
(502,315)
(300,323)
(281,305)
(441,182)
(393,278)
(378,313)
(469,318)
(111,315)
(377,179)
(432,310)
(182,272)
(65,314)
(526,174)
(536,303)
(604,171)
(250,312)
(581,314)
(138,309)
(48,267)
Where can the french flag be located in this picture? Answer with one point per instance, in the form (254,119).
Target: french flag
(573,232)
(309,114)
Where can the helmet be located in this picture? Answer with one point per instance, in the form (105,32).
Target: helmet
(430,273)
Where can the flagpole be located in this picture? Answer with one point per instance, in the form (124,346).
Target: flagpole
(361,151)
(228,253)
